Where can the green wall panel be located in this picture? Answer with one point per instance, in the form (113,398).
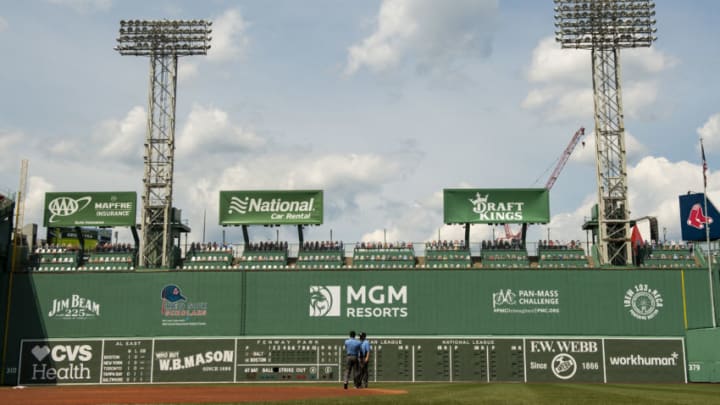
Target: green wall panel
(421,303)
(608,302)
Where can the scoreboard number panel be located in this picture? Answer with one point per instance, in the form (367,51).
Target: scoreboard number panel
(126,361)
(288,359)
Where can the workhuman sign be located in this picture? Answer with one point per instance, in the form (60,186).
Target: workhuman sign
(496,206)
(269,207)
(90,209)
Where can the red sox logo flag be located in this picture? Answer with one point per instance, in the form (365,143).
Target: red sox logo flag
(694,219)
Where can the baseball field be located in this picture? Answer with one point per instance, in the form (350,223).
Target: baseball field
(387,393)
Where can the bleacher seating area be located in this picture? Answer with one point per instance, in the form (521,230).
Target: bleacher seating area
(56,258)
(447,255)
(209,256)
(380,255)
(668,255)
(321,255)
(105,257)
(328,255)
(110,257)
(557,255)
(504,255)
(264,256)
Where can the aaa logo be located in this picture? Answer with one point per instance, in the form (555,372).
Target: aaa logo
(66,206)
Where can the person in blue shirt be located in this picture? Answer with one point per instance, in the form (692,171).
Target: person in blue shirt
(364,361)
(352,351)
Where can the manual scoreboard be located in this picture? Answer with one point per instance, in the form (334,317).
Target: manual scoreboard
(410,359)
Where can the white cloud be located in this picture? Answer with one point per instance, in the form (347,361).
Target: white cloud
(229,37)
(3,24)
(643,61)
(348,172)
(638,97)
(564,80)
(8,139)
(35,198)
(710,132)
(551,63)
(349,181)
(585,152)
(209,129)
(84,6)
(123,140)
(187,70)
(433,34)
(654,185)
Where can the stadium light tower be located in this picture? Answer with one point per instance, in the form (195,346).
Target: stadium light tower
(163,41)
(604,27)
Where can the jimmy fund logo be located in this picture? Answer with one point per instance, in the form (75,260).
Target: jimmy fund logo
(177,309)
(377,301)
(644,303)
(279,208)
(496,211)
(65,206)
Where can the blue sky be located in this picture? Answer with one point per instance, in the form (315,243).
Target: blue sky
(382,104)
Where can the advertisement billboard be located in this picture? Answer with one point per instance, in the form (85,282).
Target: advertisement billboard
(271,207)
(496,206)
(90,209)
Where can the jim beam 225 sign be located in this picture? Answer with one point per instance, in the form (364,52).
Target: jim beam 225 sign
(90,209)
(301,207)
(496,206)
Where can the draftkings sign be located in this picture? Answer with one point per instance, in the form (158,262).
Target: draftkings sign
(496,206)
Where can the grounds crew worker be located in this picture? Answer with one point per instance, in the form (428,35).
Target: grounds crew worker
(352,349)
(364,361)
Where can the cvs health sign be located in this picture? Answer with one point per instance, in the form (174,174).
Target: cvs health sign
(58,362)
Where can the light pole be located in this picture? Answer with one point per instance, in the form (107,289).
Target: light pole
(604,27)
(163,41)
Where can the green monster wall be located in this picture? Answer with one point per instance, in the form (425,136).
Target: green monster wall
(640,303)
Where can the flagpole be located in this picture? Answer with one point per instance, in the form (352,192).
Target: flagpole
(707,235)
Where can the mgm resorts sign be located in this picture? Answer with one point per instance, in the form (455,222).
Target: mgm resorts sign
(377,301)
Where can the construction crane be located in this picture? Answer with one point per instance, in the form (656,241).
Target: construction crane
(551,181)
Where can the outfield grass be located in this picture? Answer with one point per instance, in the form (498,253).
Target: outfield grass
(550,394)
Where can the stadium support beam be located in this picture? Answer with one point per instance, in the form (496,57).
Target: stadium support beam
(604,27)
(163,42)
